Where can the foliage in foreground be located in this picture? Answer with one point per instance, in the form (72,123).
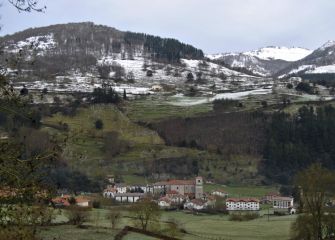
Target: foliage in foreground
(317,185)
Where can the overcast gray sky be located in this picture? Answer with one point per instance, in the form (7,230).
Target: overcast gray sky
(212,25)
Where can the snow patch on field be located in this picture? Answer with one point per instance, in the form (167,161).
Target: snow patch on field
(181,100)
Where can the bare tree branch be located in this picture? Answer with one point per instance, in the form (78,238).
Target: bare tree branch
(27,5)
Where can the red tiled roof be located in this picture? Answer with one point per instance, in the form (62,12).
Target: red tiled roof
(61,200)
(172,192)
(280,198)
(82,199)
(180,182)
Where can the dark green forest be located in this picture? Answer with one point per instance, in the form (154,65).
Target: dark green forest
(294,142)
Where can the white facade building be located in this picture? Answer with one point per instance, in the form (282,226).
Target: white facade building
(128,197)
(220,193)
(282,202)
(121,187)
(242,204)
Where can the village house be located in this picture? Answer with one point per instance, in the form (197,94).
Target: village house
(220,193)
(176,198)
(64,201)
(109,192)
(121,187)
(83,201)
(195,204)
(242,204)
(268,198)
(283,204)
(139,188)
(164,202)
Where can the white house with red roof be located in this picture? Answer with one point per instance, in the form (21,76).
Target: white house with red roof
(164,202)
(195,204)
(220,193)
(242,204)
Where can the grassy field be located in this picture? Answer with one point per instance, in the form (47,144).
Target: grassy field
(154,108)
(200,226)
(242,191)
(86,146)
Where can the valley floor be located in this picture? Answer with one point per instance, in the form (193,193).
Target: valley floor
(201,226)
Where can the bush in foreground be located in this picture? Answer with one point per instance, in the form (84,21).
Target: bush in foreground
(243,216)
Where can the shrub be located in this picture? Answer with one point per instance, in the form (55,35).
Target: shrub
(264,103)
(96,204)
(99,124)
(243,216)
(289,86)
(304,87)
(149,73)
(77,215)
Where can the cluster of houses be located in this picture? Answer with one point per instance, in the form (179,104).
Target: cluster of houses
(66,200)
(189,194)
(169,193)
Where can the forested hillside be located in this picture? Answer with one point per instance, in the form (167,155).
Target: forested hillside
(59,48)
(294,142)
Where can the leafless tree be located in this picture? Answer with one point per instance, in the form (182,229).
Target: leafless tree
(27,5)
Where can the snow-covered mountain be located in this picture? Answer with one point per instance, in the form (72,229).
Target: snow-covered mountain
(265,61)
(80,56)
(322,60)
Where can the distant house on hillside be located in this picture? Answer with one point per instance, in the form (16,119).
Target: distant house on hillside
(242,204)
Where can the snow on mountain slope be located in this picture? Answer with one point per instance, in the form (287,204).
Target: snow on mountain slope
(265,61)
(322,69)
(270,53)
(280,53)
(320,61)
(39,43)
